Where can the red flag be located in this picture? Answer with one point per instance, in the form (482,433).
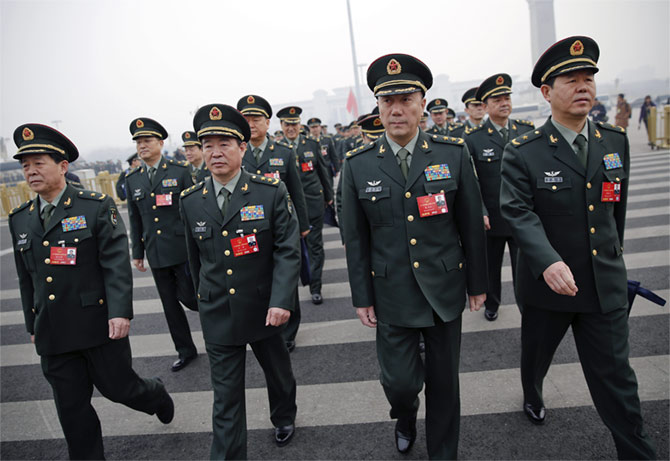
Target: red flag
(352,105)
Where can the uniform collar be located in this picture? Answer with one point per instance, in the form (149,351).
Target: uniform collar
(230,187)
(571,135)
(395,147)
(44,203)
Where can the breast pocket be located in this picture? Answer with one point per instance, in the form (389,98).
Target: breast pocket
(26,252)
(377,205)
(554,198)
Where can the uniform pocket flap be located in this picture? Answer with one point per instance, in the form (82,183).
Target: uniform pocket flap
(90,299)
(378,269)
(454,262)
(200,232)
(554,185)
(203,292)
(616,175)
(440,187)
(23,244)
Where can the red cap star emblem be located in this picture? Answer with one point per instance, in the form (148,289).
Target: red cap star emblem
(500,80)
(251,100)
(28,134)
(187,135)
(291,111)
(577,48)
(139,123)
(215,114)
(393,67)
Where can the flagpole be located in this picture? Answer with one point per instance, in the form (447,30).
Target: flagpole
(353,55)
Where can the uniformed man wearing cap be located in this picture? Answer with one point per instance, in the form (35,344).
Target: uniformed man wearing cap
(133,162)
(327,145)
(317,185)
(423,122)
(415,240)
(486,144)
(244,253)
(156,229)
(438,113)
(564,193)
(75,279)
(193,152)
(274,160)
(475,110)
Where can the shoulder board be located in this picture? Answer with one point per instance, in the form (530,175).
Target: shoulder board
(265,180)
(283,144)
(608,126)
(133,171)
(456,125)
(191,189)
(91,195)
(20,207)
(526,137)
(447,139)
(478,127)
(524,122)
(178,163)
(360,149)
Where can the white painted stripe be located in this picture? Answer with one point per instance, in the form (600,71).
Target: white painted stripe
(646,212)
(653,185)
(483,392)
(647,198)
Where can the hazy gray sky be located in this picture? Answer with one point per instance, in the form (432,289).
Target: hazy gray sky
(95,65)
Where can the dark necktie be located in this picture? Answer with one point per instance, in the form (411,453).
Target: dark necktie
(257,154)
(152,173)
(226,197)
(582,150)
(47,212)
(404,167)
(505,135)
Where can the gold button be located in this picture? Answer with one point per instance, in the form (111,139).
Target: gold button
(153,207)
(47,261)
(258,171)
(227,252)
(410,218)
(373,273)
(595,252)
(416,264)
(76,240)
(52,297)
(45,243)
(155,219)
(488,159)
(229,272)
(593,230)
(101,301)
(412,242)
(33,310)
(224,233)
(373,198)
(441,191)
(255,231)
(617,179)
(408,194)
(591,208)
(460,265)
(50,279)
(21,250)
(201,237)
(158,232)
(152,194)
(231,291)
(198,295)
(554,187)
(588,185)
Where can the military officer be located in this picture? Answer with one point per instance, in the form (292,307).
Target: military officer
(437,108)
(564,192)
(274,160)
(414,240)
(244,253)
(156,228)
(423,122)
(193,152)
(71,254)
(327,145)
(133,162)
(486,144)
(475,110)
(316,183)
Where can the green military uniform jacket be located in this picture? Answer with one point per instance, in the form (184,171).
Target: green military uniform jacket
(486,148)
(235,292)
(554,208)
(435,130)
(67,306)
(279,160)
(155,229)
(406,266)
(328,153)
(314,176)
(456,129)
(201,175)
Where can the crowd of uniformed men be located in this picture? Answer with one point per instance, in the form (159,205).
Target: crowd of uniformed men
(425,215)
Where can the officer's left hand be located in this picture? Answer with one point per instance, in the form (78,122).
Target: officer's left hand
(118,327)
(476,302)
(277,316)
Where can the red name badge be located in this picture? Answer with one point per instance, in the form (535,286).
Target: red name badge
(611,192)
(274,175)
(63,256)
(431,205)
(164,200)
(307,166)
(244,245)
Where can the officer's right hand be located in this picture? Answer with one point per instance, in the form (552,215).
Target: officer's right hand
(139,264)
(304,233)
(32,339)
(487,223)
(560,279)
(367,316)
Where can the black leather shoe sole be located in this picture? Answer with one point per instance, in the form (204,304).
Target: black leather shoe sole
(317,298)
(181,363)
(290,345)
(283,435)
(535,415)
(490,315)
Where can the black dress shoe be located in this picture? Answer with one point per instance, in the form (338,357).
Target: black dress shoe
(181,363)
(490,315)
(284,434)
(405,433)
(165,412)
(535,414)
(422,347)
(290,345)
(317,298)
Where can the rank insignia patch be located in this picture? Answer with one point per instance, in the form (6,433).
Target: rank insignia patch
(435,172)
(250,213)
(113,216)
(612,161)
(73,223)
(172,182)
(276,162)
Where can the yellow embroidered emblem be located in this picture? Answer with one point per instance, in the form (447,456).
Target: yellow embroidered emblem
(245,187)
(553,139)
(377,122)
(28,134)
(381,149)
(598,135)
(577,48)
(251,99)
(215,114)
(187,135)
(490,131)
(68,201)
(500,80)
(425,144)
(393,67)
(204,191)
(139,124)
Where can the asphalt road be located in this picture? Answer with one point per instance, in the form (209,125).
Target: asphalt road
(342,412)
